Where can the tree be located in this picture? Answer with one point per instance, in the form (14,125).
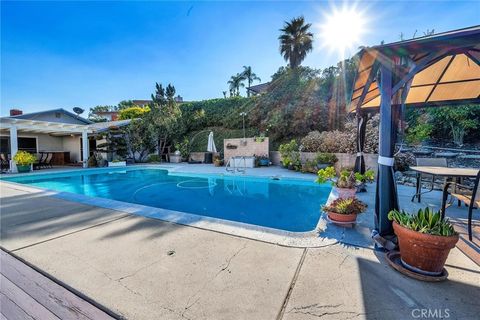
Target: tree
(141,139)
(250,76)
(92,114)
(235,83)
(114,145)
(295,41)
(165,116)
(124,104)
(132,112)
(457,121)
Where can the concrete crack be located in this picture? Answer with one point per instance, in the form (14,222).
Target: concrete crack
(140,269)
(224,267)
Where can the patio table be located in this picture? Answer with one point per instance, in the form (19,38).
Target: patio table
(454,173)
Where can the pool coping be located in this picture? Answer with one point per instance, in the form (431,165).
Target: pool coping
(307,239)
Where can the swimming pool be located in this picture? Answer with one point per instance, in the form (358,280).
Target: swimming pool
(284,204)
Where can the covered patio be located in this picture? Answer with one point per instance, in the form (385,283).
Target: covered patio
(431,71)
(44,137)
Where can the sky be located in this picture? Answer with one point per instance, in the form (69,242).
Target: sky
(65,54)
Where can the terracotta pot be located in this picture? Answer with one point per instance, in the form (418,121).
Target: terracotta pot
(423,252)
(342,217)
(345,192)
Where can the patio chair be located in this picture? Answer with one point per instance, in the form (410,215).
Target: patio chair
(468,195)
(427,162)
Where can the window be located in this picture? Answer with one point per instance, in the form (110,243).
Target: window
(27,144)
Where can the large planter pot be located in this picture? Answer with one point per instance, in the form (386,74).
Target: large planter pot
(174,158)
(23,169)
(345,192)
(263,162)
(421,252)
(342,217)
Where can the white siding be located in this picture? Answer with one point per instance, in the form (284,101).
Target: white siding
(72,144)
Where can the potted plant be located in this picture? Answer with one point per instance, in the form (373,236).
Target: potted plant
(325,160)
(345,184)
(24,161)
(344,210)
(363,179)
(425,240)
(218,161)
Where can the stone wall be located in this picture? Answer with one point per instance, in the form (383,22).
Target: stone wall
(247,147)
(345,160)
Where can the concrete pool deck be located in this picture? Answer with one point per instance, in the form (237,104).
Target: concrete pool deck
(144,268)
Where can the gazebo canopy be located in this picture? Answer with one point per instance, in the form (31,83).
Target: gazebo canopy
(442,69)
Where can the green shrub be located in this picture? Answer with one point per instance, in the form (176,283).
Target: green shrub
(133,112)
(424,221)
(290,154)
(326,158)
(154,158)
(368,176)
(184,148)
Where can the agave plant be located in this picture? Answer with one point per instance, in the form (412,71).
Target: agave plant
(424,221)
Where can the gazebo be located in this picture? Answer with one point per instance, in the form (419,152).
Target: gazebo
(435,70)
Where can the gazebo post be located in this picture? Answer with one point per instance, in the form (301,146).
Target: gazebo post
(361,131)
(386,193)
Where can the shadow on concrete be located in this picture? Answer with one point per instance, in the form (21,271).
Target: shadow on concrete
(387,294)
(28,219)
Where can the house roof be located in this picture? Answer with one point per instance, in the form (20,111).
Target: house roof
(433,70)
(259,88)
(32,115)
(36,126)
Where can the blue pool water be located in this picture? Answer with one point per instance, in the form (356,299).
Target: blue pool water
(286,204)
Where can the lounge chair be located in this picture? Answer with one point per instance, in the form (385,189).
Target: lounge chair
(468,195)
(37,165)
(427,162)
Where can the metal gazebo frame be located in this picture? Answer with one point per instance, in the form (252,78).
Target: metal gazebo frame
(436,70)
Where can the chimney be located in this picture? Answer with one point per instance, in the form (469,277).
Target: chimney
(15,112)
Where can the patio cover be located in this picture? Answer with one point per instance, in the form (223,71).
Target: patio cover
(15,125)
(441,69)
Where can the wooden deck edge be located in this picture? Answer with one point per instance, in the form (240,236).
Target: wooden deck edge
(65,286)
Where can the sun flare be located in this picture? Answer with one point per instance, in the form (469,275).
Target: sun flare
(342,29)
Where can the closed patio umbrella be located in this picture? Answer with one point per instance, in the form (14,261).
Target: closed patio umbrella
(211,143)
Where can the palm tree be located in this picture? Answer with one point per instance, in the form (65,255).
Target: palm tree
(236,82)
(295,41)
(250,76)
